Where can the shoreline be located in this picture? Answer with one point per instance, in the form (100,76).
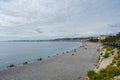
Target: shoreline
(12,55)
(67,66)
(37,59)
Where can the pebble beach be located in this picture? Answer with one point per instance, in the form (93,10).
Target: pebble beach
(70,65)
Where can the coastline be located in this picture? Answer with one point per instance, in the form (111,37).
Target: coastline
(19,52)
(68,66)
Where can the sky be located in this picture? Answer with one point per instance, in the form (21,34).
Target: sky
(50,19)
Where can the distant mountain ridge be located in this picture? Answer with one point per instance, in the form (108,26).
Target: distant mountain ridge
(58,39)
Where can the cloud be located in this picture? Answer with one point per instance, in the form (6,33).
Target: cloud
(45,19)
(114,25)
(38,30)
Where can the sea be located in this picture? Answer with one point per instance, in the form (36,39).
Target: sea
(19,52)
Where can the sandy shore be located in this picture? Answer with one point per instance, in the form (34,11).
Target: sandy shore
(61,67)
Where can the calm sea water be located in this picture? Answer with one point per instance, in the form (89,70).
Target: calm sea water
(19,52)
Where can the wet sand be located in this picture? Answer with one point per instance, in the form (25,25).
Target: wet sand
(68,66)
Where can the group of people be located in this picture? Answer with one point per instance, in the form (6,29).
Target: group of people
(12,65)
(84,44)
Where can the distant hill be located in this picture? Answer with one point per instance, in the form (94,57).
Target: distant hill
(70,39)
(58,39)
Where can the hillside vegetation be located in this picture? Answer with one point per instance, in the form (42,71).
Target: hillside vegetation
(113,69)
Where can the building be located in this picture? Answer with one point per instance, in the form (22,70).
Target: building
(102,37)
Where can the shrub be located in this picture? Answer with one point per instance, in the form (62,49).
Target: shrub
(118,63)
(106,55)
(105,74)
(92,75)
(108,48)
(101,53)
(114,61)
(112,52)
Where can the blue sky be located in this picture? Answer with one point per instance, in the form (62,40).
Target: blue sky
(49,19)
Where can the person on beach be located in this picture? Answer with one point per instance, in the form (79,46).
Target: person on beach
(25,63)
(12,65)
(40,59)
